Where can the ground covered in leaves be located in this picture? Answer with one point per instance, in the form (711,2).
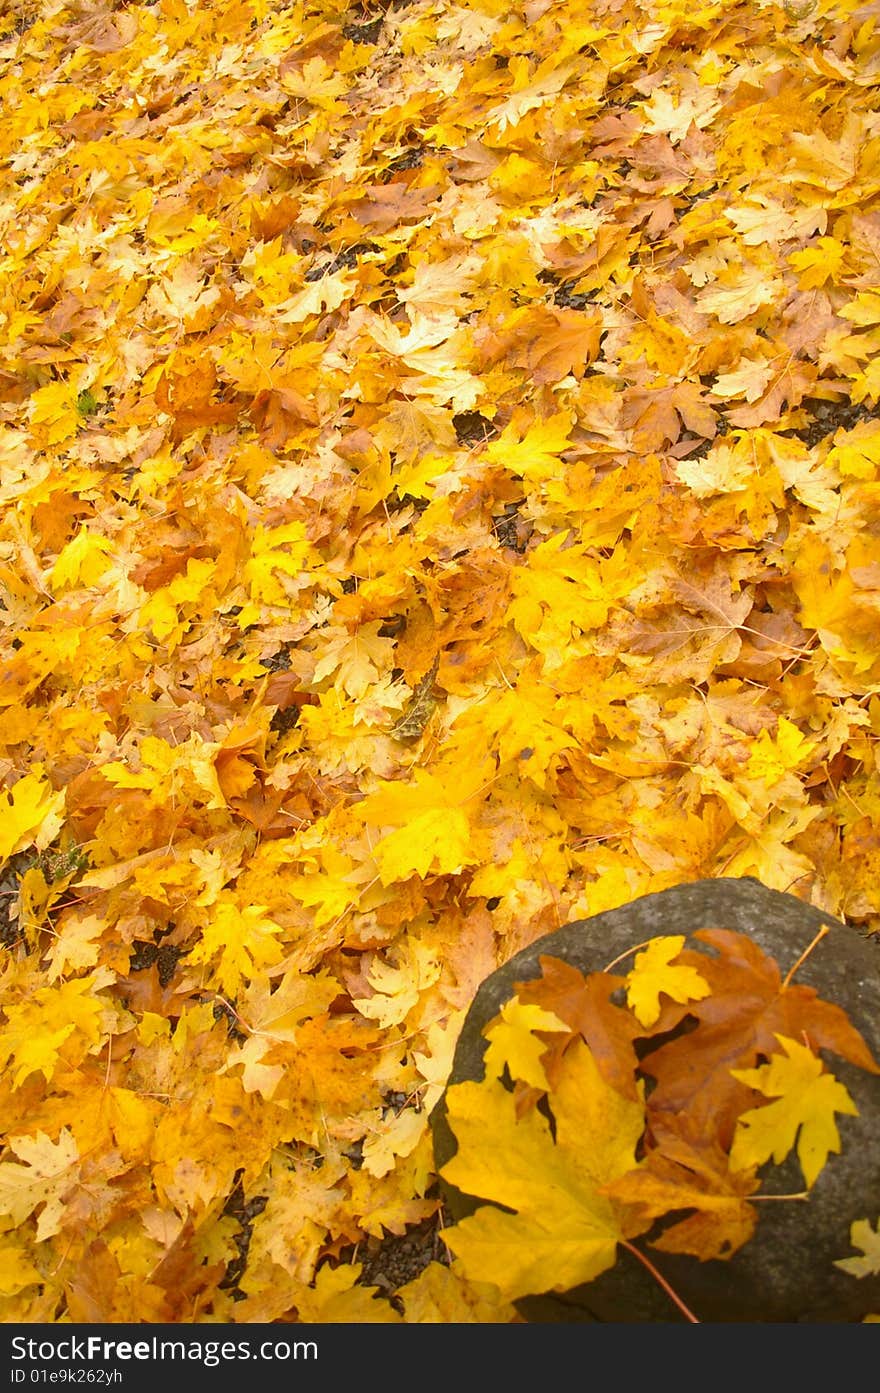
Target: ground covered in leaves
(439,466)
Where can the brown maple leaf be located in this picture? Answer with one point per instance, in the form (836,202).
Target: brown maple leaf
(749,1005)
(658,414)
(682,1177)
(584,1004)
(186,391)
(790,383)
(548,343)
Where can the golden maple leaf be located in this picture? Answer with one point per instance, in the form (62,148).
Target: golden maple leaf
(562,1231)
(806,1100)
(238,941)
(39,1179)
(435,832)
(655,971)
(31,812)
(863,1235)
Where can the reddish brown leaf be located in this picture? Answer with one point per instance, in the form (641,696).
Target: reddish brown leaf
(585,1004)
(736,1024)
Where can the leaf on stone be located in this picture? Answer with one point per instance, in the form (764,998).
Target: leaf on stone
(584,1003)
(807,1099)
(562,1231)
(656,971)
(514,1046)
(863,1236)
(680,1178)
(736,1023)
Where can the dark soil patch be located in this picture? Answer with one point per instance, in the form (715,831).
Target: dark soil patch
(392,1261)
(54,864)
(15,867)
(472,428)
(823,419)
(244,1212)
(826,417)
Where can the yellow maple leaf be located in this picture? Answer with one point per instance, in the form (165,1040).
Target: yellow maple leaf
(36,897)
(398,1137)
(276,551)
(654,971)
(52,409)
(748,380)
(771,758)
(336,1296)
(862,1235)
(533,450)
(864,309)
(82,561)
(525,724)
(437,840)
(819,263)
(66,1019)
(807,1099)
(436,1063)
(831,602)
(518,180)
(30,811)
(398,984)
(240,941)
(440,286)
(198,230)
(739,293)
(172,772)
(357,659)
(562,1231)
(725,469)
(564,592)
(668,116)
(530,89)
(329,889)
(436,834)
(513,1044)
(761,219)
(856,453)
(40,1177)
(160,615)
(16,1268)
(182,293)
(442,1295)
(317,81)
(189,587)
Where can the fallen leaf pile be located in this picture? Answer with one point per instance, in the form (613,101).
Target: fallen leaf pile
(439,477)
(619,1156)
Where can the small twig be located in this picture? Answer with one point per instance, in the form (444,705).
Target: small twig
(809,948)
(658,1277)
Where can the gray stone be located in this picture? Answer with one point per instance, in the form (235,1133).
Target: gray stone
(786,1272)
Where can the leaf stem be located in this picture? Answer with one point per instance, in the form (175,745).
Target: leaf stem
(620,957)
(801,1195)
(658,1277)
(805,954)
